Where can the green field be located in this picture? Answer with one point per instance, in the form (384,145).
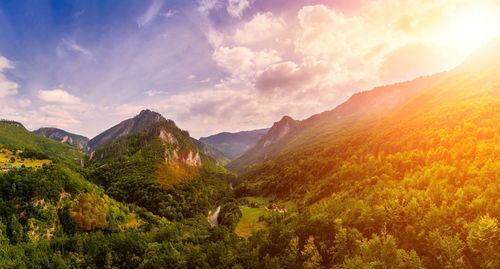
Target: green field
(250,218)
(250,221)
(6,155)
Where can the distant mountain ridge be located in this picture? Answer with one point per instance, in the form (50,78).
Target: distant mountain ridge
(233,144)
(62,136)
(15,135)
(219,156)
(140,122)
(360,111)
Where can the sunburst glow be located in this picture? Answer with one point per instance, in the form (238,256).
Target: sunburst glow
(469,30)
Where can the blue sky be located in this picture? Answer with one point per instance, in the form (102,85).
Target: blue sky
(210,65)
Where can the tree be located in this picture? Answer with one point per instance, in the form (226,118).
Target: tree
(448,250)
(484,240)
(89,211)
(3,237)
(310,254)
(16,230)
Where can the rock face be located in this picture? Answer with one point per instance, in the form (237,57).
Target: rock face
(62,136)
(264,147)
(279,130)
(145,119)
(168,137)
(191,158)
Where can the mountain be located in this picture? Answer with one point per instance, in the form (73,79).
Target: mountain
(140,202)
(217,155)
(144,119)
(62,136)
(360,112)
(233,144)
(13,134)
(158,156)
(421,179)
(277,131)
(259,151)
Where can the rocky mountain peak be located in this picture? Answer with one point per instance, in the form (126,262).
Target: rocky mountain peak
(141,121)
(278,130)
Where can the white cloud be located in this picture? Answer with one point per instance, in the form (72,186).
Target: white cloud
(263,26)
(205,6)
(55,114)
(24,103)
(152,93)
(58,96)
(170,13)
(128,110)
(70,44)
(292,77)
(5,64)
(150,13)
(244,63)
(328,33)
(235,8)
(7,87)
(191,77)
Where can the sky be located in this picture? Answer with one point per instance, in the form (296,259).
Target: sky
(220,65)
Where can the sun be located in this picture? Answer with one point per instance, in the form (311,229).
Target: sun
(468,31)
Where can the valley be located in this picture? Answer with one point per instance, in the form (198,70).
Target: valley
(250,134)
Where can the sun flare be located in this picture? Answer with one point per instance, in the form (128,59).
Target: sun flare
(468,31)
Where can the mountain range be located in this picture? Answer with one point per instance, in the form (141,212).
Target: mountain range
(78,141)
(401,176)
(233,144)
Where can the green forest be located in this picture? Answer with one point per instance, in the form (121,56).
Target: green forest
(415,187)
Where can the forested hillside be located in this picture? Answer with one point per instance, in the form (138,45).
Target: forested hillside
(17,136)
(142,168)
(55,216)
(423,179)
(361,112)
(411,184)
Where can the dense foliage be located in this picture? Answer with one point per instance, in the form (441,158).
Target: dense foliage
(128,170)
(417,188)
(18,137)
(424,180)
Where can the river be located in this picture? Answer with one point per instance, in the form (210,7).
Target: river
(212,217)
